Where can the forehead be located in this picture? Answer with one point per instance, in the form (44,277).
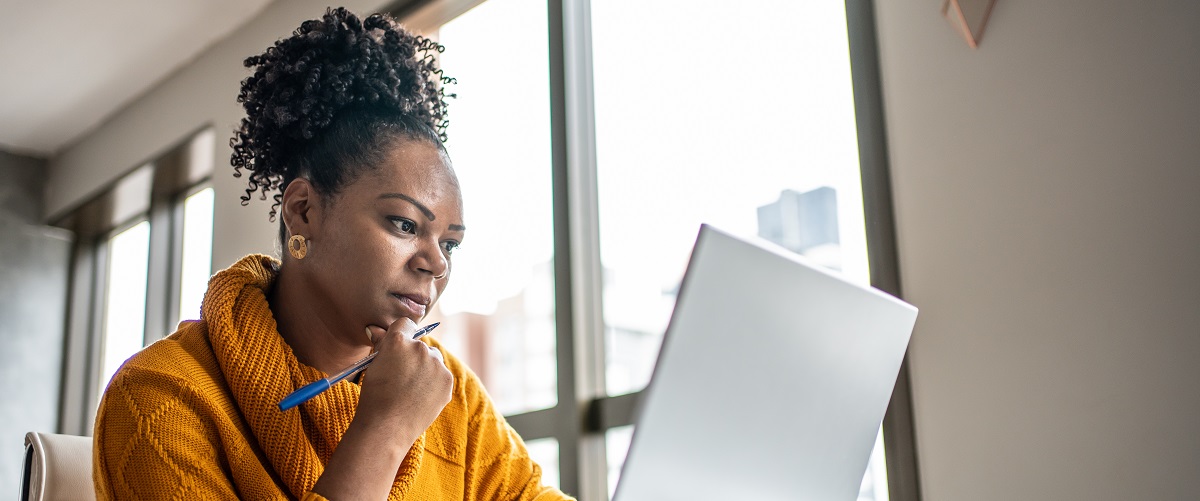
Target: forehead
(416,168)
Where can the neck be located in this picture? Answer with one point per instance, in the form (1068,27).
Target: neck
(315,335)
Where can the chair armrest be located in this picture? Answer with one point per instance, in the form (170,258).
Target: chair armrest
(57,467)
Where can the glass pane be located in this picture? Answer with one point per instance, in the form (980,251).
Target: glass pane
(616,445)
(544,452)
(738,117)
(196,264)
(875,484)
(125,298)
(498,311)
(755,135)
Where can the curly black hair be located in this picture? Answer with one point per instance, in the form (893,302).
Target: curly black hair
(326,102)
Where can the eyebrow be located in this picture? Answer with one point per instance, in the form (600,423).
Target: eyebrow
(424,210)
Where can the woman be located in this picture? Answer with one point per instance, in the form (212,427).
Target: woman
(346,118)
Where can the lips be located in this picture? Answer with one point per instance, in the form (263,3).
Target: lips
(415,304)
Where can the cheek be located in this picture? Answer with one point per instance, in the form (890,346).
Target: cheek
(377,254)
(354,255)
(390,257)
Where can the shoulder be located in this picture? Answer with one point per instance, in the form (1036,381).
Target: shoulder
(185,357)
(178,372)
(163,419)
(172,387)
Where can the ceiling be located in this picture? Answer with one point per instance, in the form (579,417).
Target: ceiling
(66,65)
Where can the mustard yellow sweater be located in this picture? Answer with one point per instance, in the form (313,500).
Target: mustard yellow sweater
(194,416)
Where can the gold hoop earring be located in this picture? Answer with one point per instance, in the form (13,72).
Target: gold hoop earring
(297,247)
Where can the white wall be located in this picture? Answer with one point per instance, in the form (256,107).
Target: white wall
(1047,191)
(202,93)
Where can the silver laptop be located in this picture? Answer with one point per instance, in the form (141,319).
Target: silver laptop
(772,380)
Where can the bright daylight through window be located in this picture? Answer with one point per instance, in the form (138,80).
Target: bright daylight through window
(125,298)
(499,306)
(739,115)
(127,272)
(196,263)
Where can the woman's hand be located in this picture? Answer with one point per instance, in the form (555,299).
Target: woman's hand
(408,382)
(404,391)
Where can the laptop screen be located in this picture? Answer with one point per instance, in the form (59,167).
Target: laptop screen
(772,381)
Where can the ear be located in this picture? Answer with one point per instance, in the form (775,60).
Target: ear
(301,208)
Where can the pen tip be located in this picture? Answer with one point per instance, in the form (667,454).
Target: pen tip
(426,330)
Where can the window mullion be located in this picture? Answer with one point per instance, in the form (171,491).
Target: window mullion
(160,286)
(534,425)
(612,412)
(568,436)
(176,270)
(584,206)
(898,430)
(581,362)
(79,339)
(95,350)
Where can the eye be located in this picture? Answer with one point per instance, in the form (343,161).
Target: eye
(449,246)
(404,225)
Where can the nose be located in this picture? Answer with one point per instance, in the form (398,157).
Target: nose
(429,259)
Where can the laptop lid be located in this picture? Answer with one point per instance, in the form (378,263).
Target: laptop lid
(772,380)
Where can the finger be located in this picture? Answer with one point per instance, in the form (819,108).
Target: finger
(437,354)
(375,333)
(404,326)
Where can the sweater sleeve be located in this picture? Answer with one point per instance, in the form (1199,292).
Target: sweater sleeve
(151,443)
(499,466)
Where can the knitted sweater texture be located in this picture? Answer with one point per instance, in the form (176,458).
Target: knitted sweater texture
(195,416)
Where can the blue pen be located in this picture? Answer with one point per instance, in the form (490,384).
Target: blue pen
(310,390)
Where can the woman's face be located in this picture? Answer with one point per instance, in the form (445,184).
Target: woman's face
(382,251)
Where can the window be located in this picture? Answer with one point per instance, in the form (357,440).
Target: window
(631,122)
(616,442)
(544,452)
(141,261)
(756,135)
(752,131)
(499,309)
(196,259)
(125,298)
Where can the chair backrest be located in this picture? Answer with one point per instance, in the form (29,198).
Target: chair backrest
(57,467)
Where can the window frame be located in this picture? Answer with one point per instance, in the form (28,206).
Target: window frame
(900,450)
(173,175)
(584,411)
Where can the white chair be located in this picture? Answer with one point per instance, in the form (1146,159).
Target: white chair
(57,467)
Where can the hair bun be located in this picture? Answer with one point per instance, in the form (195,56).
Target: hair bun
(302,82)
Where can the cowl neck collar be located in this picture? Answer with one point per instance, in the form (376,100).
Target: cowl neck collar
(261,370)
